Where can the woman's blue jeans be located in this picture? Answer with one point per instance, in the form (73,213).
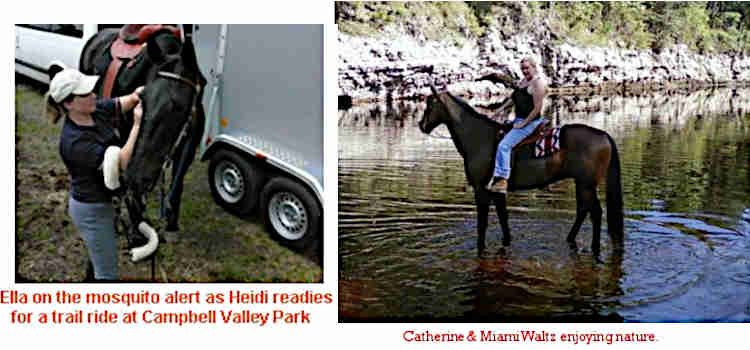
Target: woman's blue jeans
(96,225)
(502,158)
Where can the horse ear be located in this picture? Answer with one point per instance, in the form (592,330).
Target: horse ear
(434,90)
(188,54)
(154,52)
(190,58)
(436,93)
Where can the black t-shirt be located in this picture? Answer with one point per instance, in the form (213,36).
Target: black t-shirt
(82,150)
(523,101)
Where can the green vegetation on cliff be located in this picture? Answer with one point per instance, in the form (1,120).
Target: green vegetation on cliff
(705,27)
(423,20)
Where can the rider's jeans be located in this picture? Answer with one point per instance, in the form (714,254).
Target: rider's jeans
(96,225)
(502,158)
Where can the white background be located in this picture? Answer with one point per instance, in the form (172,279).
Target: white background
(325,331)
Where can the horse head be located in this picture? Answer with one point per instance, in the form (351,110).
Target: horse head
(435,113)
(171,96)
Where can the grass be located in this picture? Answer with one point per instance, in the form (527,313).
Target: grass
(213,245)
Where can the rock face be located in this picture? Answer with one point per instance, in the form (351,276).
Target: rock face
(398,66)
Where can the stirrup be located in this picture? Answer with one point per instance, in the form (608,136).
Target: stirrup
(496,185)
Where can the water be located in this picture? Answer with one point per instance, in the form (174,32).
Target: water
(407,230)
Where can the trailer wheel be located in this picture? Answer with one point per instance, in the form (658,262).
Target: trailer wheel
(291,213)
(234,182)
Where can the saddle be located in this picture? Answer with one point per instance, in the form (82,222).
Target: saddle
(544,139)
(533,137)
(129,43)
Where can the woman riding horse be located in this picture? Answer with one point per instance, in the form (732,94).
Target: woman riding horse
(587,155)
(86,134)
(528,98)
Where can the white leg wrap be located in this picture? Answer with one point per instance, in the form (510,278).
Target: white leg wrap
(138,253)
(111,167)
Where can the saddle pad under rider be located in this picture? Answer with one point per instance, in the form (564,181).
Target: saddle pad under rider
(548,144)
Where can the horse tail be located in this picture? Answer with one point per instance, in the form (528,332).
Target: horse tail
(615,216)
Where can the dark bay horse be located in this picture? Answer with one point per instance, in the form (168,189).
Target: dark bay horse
(173,115)
(587,155)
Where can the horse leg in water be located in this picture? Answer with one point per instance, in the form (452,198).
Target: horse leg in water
(587,201)
(596,221)
(502,215)
(482,198)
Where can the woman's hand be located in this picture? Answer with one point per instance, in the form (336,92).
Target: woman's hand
(127,102)
(138,91)
(127,150)
(137,115)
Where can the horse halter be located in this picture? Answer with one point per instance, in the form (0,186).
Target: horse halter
(193,106)
(177,77)
(183,132)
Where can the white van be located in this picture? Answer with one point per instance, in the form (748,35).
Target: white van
(40,47)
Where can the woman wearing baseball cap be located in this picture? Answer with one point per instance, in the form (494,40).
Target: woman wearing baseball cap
(86,133)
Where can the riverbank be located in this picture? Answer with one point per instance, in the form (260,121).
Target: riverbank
(675,107)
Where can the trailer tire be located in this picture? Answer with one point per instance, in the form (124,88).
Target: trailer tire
(234,182)
(291,214)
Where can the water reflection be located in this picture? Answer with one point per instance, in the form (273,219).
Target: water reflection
(407,234)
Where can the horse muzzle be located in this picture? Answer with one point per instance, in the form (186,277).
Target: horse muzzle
(422,127)
(427,129)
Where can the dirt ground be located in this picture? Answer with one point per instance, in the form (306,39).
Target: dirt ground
(212,244)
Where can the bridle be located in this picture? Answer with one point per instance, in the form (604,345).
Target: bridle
(129,196)
(183,132)
(430,135)
(193,105)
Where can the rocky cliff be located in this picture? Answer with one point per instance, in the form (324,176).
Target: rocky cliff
(399,66)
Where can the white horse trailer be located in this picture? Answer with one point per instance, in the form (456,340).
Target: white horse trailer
(264,124)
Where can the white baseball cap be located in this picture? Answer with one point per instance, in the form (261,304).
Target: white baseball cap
(71,81)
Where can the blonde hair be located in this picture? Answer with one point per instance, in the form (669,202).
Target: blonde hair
(530,60)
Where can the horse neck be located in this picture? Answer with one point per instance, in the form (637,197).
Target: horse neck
(465,129)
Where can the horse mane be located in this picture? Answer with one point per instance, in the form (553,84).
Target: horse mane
(472,111)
